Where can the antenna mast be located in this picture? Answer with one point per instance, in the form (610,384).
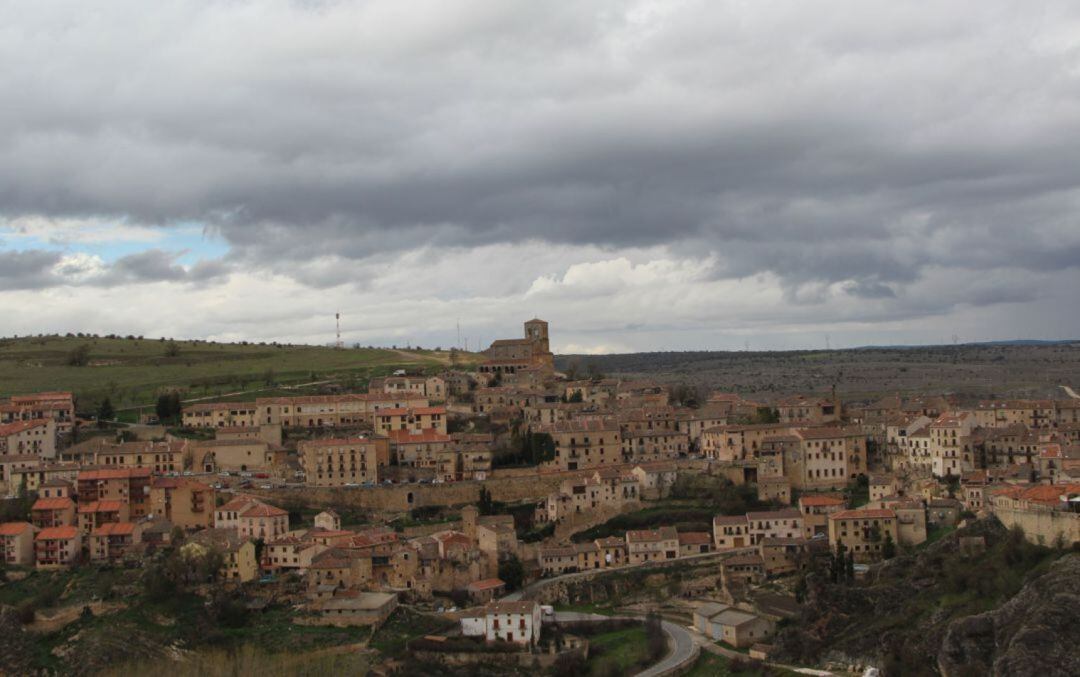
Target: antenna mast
(337,319)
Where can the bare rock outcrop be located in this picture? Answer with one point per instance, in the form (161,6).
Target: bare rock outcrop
(1035,633)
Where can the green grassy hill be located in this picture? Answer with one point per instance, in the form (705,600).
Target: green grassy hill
(131,371)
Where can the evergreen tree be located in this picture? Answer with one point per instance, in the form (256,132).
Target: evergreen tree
(849,570)
(105,412)
(888,548)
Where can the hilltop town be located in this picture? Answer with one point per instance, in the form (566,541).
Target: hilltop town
(502,516)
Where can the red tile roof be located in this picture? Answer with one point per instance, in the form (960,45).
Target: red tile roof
(820,501)
(486,584)
(694,538)
(264,510)
(20,426)
(14,528)
(652,535)
(101,506)
(237,504)
(54,533)
(1049,493)
(115,529)
(61,503)
(423,437)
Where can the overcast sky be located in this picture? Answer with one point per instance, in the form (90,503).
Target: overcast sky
(643,175)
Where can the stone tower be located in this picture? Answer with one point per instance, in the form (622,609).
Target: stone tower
(469,517)
(537,330)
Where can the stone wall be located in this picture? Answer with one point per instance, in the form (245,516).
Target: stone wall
(1042,526)
(404,497)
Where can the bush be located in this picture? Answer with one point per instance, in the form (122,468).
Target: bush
(26,612)
(569,664)
(79,356)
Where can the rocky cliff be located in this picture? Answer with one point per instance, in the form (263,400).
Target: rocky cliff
(947,609)
(1036,633)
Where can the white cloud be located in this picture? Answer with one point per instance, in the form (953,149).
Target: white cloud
(76,231)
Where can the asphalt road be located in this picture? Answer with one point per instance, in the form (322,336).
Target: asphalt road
(682,643)
(536,585)
(683,651)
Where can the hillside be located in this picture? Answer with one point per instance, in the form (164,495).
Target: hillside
(131,371)
(975,370)
(944,609)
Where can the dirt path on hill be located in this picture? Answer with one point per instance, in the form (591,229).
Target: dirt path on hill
(60,617)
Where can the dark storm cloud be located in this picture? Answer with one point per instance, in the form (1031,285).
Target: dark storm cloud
(854,143)
(31,269)
(156,265)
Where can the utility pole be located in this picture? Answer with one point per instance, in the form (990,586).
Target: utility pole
(337,319)
(827,346)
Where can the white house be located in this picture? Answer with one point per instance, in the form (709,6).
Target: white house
(515,622)
(474,623)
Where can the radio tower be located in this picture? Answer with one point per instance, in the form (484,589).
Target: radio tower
(337,318)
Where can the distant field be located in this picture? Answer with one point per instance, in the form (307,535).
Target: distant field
(973,370)
(132,371)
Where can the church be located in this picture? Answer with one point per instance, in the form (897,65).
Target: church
(532,353)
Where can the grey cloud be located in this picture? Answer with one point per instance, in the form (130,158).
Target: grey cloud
(157,265)
(865,144)
(30,269)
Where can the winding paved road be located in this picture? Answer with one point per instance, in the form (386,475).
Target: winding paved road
(1070,392)
(682,647)
(683,651)
(543,582)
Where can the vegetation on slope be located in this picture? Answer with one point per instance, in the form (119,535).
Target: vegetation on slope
(133,371)
(897,619)
(694,501)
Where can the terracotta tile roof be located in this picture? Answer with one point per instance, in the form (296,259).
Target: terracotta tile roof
(21,426)
(264,510)
(61,503)
(101,506)
(14,528)
(179,482)
(828,432)
(114,474)
(54,533)
(820,501)
(236,505)
(423,437)
(1049,493)
(695,538)
(486,584)
(652,535)
(114,529)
